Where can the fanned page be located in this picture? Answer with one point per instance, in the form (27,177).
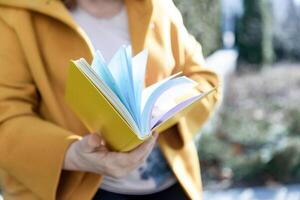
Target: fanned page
(156,93)
(177,106)
(110,95)
(166,100)
(125,76)
(122,82)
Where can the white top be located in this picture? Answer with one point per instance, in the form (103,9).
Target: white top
(107,35)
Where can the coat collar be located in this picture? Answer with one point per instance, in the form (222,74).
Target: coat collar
(139,17)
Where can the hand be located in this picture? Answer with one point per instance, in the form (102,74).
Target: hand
(90,154)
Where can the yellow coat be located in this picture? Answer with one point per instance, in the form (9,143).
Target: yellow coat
(37,40)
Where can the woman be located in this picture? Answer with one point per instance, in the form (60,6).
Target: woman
(45,151)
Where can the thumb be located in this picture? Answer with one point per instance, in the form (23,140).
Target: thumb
(90,143)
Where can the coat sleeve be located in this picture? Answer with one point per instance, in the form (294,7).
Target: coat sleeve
(31,149)
(189,59)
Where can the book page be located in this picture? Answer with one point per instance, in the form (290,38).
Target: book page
(119,70)
(172,97)
(167,113)
(154,96)
(100,67)
(174,114)
(108,93)
(139,63)
(124,75)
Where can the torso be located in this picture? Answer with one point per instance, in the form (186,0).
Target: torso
(107,35)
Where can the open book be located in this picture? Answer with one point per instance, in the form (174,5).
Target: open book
(111,98)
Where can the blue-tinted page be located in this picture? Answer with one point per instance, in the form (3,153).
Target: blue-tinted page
(147,111)
(132,97)
(119,70)
(100,67)
(139,63)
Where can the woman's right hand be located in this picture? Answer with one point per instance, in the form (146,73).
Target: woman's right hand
(90,154)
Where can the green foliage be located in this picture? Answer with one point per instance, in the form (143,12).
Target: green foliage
(294,122)
(285,164)
(254,33)
(202,19)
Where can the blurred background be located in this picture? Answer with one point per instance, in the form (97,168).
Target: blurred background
(250,149)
